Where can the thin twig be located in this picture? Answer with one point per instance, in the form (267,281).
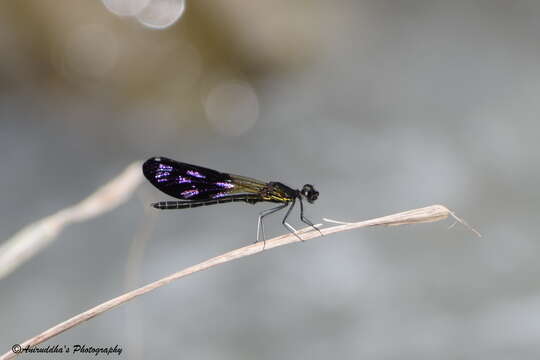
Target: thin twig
(427,214)
(134,262)
(28,241)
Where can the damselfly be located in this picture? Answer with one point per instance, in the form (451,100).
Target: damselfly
(196,186)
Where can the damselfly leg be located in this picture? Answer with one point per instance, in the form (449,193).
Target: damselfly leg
(262,214)
(306,220)
(286,224)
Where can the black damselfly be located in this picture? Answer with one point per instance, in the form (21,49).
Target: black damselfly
(198,186)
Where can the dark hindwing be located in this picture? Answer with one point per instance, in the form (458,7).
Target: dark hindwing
(188,182)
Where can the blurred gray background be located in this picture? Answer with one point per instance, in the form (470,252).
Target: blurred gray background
(384,106)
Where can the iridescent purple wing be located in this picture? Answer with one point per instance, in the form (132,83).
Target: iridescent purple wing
(188,182)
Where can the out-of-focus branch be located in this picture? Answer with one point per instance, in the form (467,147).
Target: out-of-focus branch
(34,237)
(427,214)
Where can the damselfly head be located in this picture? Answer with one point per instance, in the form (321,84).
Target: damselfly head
(309,192)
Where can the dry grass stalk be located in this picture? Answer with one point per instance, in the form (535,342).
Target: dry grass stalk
(422,215)
(28,241)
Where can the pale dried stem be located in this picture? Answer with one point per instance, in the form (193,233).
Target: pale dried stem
(427,214)
(28,241)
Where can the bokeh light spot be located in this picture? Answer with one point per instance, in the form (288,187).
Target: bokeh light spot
(90,51)
(160,14)
(232,108)
(125,7)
